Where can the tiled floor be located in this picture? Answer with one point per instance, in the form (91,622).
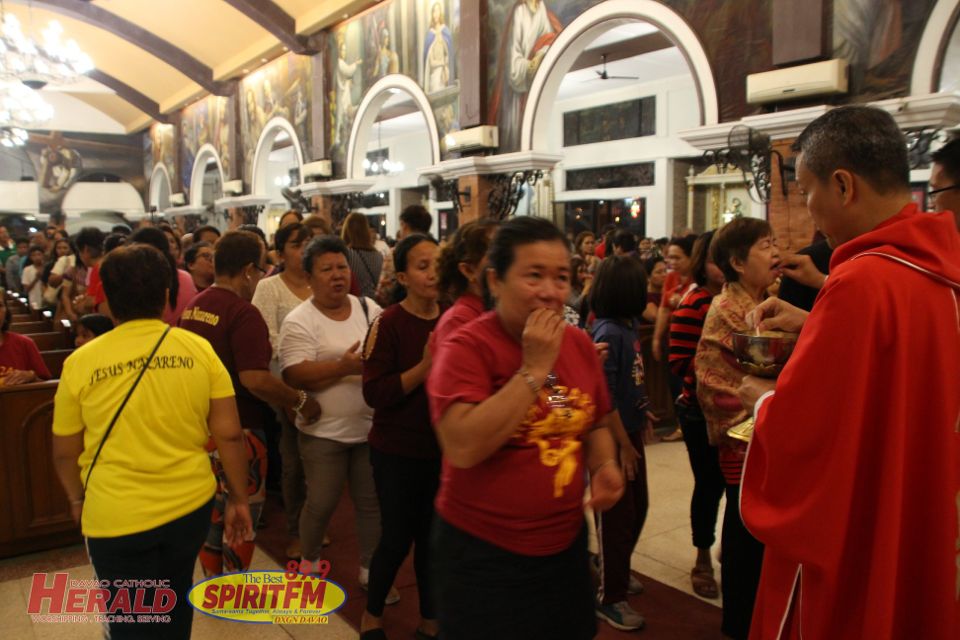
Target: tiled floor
(664,553)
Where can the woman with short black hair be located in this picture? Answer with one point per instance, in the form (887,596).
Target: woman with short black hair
(320,353)
(746,252)
(132,415)
(181,287)
(521,412)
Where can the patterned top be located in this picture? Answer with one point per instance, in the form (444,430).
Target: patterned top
(719,376)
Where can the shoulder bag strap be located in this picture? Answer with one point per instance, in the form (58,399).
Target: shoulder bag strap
(113,422)
(366,310)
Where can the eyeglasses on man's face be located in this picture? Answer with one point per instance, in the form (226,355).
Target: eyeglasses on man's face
(942,189)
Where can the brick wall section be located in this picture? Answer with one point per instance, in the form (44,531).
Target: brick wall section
(788,216)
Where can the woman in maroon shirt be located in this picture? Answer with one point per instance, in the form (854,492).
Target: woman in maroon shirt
(403,449)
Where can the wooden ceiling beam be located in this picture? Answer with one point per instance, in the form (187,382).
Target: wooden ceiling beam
(271,17)
(131,95)
(148,41)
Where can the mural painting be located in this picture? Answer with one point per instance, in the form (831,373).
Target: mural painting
(61,160)
(279,89)
(159,147)
(738,33)
(879,38)
(209,121)
(417,38)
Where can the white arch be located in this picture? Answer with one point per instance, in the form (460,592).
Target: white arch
(199,168)
(158,177)
(367,113)
(262,154)
(932,47)
(575,38)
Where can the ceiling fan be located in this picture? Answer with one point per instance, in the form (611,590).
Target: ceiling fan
(603,75)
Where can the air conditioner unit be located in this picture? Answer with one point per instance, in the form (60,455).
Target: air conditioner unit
(316,169)
(483,137)
(804,81)
(233,187)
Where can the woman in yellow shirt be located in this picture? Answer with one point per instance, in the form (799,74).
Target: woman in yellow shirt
(129,449)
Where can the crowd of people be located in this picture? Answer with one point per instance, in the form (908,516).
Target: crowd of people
(475,395)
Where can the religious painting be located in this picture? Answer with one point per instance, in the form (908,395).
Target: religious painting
(209,121)
(279,89)
(438,26)
(879,38)
(735,35)
(160,149)
(416,38)
(617,121)
(60,160)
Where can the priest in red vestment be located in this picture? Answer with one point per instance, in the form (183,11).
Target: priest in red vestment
(852,480)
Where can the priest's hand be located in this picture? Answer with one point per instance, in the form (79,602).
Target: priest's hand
(773,314)
(800,267)
(751,388)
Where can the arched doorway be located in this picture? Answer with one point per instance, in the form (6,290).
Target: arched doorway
(276,166)
(937,65)
(158,198)
(393,135)
(610,95)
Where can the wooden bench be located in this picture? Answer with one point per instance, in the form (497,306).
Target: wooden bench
(50,340)
(54,360)
(36,512)
(21,317)
(34,326)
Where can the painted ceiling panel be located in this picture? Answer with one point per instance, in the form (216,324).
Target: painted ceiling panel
(113,55)
(210,30)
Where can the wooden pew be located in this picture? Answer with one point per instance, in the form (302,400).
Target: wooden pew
(36,510)
(54,360)
(35,326)
(21,317)
(50,340)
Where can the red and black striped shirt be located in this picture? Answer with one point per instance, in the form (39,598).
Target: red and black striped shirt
(686,325)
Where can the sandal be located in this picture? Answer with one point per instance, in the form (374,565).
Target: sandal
(704,584)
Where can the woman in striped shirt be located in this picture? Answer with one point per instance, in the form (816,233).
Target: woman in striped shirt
(686,325)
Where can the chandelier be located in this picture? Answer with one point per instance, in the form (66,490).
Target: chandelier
(381,165)
(37,64)
(13,137)
(21,106)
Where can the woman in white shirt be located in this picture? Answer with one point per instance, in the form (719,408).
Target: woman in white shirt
(276,297)
(320,352)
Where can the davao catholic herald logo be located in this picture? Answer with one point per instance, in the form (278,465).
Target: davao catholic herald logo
(299,595)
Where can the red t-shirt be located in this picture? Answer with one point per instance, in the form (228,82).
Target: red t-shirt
(95,286)
(20,352)
(528,496)
(237,332)
(467,307)
(671,284)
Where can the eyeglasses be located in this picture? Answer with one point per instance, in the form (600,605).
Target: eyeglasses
(205,256)
(259,268)
(936,191)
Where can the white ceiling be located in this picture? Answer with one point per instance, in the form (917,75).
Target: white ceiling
(649,67)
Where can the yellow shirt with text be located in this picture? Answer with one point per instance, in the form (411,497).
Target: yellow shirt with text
(153,468)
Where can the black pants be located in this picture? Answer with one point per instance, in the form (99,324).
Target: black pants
(708,482)
(618,530)
(167,552)
(741,560)
(487,592)
(406,488)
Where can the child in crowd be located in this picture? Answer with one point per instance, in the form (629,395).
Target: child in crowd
(618,298)
(90,326)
